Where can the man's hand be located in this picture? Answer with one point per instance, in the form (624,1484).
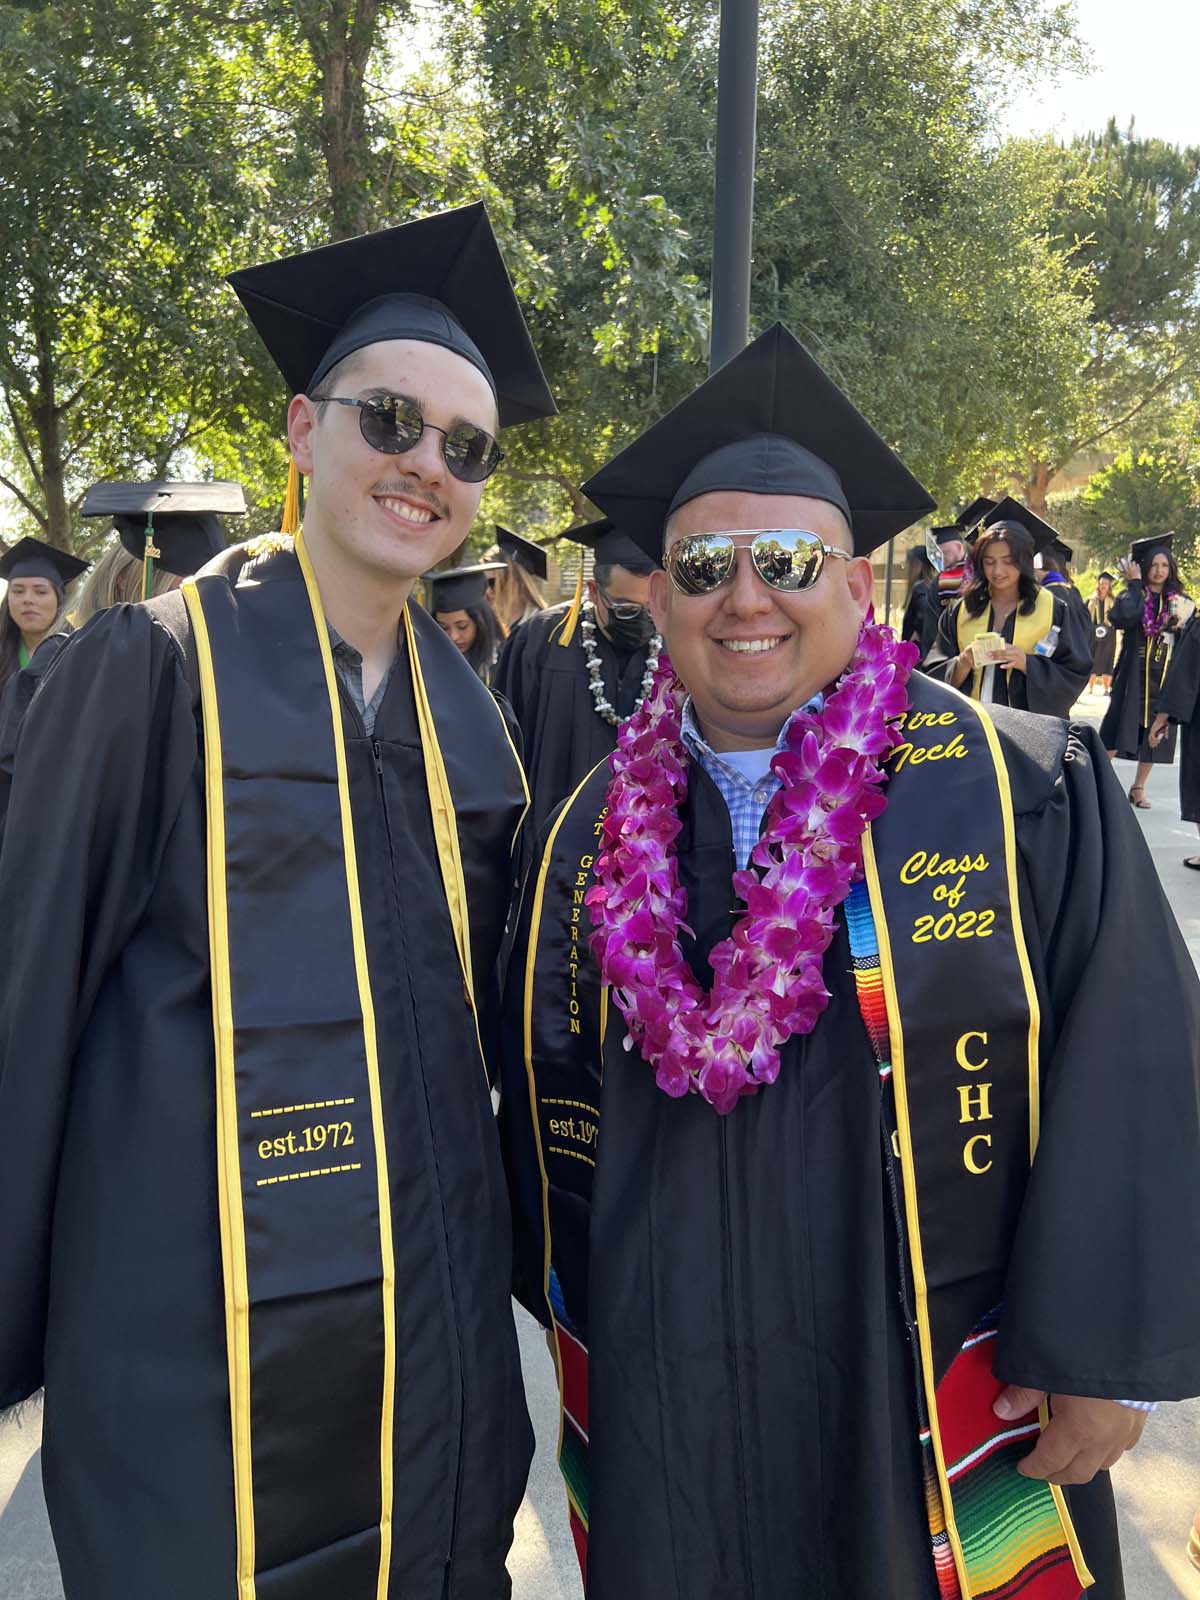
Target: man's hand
(1084,1437)
(1158,729)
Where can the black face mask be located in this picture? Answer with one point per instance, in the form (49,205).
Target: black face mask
(628,634)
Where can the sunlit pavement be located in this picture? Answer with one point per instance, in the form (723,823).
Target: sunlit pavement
(1158,1486)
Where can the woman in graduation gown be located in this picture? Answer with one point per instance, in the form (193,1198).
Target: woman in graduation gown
(1148,613)
(1046,662)
(1179,706)
(33,608)
(1104,635)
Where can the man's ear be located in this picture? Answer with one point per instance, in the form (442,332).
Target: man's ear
(660,588)
(861,581)
(301,422)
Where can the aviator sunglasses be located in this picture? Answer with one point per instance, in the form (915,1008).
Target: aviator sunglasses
(393,424)
(787,559)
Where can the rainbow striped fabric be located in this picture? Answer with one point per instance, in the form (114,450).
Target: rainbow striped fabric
(1008,1526)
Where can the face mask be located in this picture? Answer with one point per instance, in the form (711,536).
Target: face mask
(628,635)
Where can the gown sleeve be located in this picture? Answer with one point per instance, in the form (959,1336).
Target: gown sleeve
(940,657)
(98,774)
(1053,683)
(508,678)
(1126,609)
(1182,689)
(1102,1296)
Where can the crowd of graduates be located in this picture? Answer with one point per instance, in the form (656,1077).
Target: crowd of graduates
(719,974)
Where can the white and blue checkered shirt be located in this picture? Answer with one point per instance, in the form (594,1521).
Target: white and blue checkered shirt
(748,797)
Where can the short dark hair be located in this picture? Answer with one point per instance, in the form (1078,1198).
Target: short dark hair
(603,570)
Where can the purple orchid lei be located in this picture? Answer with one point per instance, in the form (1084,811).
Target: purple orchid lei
(767,982)
(1154,622)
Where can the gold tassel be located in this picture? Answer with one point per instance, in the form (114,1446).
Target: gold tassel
(291,501)
(571,621)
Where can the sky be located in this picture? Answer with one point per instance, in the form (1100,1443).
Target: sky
(1146,59)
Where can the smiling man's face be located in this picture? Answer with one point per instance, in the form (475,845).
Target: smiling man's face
(749,654)
(397,515)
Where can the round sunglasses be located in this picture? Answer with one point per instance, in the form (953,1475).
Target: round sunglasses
(393,424)
(787,559)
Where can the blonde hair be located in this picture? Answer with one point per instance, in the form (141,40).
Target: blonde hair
(115,580)
(516,593)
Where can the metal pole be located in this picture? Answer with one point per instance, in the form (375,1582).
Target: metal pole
(887,582)
(733,204)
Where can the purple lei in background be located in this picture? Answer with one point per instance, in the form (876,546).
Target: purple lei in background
(1153,623)
(767,982)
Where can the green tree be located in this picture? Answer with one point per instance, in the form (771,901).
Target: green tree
(1137,497)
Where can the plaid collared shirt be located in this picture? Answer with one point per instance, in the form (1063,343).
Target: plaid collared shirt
(746,799)
(348,664)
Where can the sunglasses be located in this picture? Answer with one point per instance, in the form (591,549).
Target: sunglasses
(393,424)
(787,559)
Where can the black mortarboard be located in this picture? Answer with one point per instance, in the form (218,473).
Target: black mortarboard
(1106,574)
(768,422)
(1144,551)
(30,558)
(1058,554)
(949,533)
(459,587)
(183,519)
(1010,510)
(440,280)
(523,551)
(609,546)
(973,514)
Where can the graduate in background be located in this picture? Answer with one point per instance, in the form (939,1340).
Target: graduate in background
(1179,706)
(1008,641)
(35,603)
(1056,559)
(575,672)
(773,1087)
(255,1242)
(1104,635)
(1148,613)
(921,574)
(458,603)
(514,593)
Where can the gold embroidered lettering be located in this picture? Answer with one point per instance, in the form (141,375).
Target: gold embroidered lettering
(960,1052)
(969,1161)
(974,1102)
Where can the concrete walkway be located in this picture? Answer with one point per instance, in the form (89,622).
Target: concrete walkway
(1158,1486)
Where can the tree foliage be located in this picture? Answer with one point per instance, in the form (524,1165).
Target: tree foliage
(1137,497)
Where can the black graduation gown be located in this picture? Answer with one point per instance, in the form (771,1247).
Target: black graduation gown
(751,1412)
(1104,637)
(111,1290)
(1180,700)
(547,687)
(1050,684)
(1129,716)
(913,623)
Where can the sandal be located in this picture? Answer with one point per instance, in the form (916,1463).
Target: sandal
(1193,862)
(1137,798)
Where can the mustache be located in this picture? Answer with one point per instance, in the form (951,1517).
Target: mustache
(423,497)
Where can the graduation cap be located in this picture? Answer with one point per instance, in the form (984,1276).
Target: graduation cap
(1059,554)
(768,422)
(172,525)
(440,280)
(971,516)
(1143,551)
(522,551)
(31,558)
(459,587)
(610,548)
(1106,574)
(1010,510)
